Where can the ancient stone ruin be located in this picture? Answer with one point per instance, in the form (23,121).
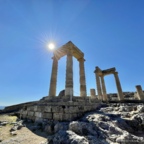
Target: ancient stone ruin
(101,84)
(66,106)
(69,50)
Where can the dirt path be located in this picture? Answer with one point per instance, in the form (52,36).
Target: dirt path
(24,135)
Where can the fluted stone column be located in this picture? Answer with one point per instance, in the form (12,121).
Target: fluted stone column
(83,92)
(69,75)
(98,86)
(103,89)
(53,81)
(140,93)
(119,89)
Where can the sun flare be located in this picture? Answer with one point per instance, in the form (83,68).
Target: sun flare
(51,46)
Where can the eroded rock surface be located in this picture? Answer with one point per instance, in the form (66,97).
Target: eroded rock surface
(115,123)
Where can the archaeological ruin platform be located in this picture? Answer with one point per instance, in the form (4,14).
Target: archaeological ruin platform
(59,109)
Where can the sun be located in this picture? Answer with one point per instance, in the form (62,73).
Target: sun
(51,46)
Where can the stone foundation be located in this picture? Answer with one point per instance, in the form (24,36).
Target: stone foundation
(58,111)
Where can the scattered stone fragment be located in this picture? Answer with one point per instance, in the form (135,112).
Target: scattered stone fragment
(13,133)
(4,123)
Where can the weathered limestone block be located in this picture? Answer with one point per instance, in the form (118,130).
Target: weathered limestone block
(31,117)
(24,112)
(35,108)
(66,117)
(75,103)
(80,108)
(40,108)
(56,116)
(87,108)
(38,114)
(62,116)
(48,109)
(24,115)
(30,108)
(47,115)
(30,113)
(57,109)
(80,102)
(71,109)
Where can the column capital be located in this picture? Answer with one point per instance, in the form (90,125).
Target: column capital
(102,76)
(98,70)
(115,73)
(54,58)
(81,59)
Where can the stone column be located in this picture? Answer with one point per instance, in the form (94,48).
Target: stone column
(98,86)
(83,92)
(69,75)
(103,89)
(140,93)
(119,89)
(92,92)
(53,81)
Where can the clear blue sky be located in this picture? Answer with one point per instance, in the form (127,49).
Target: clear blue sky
(109,32)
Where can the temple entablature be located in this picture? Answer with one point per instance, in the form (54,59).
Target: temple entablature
(69,48)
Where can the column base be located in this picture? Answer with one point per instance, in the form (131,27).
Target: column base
(83,94)
(69,92)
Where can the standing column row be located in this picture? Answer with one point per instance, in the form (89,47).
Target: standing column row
(69,76)
(101,89)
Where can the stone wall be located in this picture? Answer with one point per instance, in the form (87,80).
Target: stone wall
(17,107)
(61,111)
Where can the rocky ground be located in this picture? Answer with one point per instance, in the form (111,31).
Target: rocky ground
(110,124)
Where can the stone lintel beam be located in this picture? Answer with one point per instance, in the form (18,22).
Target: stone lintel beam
(108,71)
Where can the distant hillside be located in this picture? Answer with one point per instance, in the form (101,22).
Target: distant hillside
(2,107)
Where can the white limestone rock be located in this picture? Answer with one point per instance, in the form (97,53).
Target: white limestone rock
(69,137)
